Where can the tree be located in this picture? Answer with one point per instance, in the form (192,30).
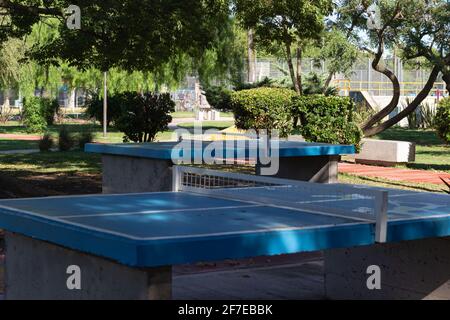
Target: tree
(429,37)
(338,53)
(289,23)
(384,32)
(128,34)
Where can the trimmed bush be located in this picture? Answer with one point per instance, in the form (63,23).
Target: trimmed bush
(94,108)
(65,141)
(85,138)
(38,113)
(143,116)
(33,116)
(264,109)
(46,143)
(327,119)
(219,98)
(50,108)
(442,120)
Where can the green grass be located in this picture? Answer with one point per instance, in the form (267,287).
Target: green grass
(384,183)
(17,145)
(431,153)
(207,125)
(183,115)
(51,162)
(113,135)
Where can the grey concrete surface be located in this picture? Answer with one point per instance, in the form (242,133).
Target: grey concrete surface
(36,270)
(409,270)
(313,169)
(301,281)
(133,175)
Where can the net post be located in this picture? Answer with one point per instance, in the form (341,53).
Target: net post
(381,203)
(176,178)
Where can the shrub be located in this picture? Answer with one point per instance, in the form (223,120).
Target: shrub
(428,116)
(46,143)
(84,138)
(94,108)
(33,115)
(38,113)
(219,98)
(442,120)
(328,119)
(50,108)
(264,109)
(66,141)
(143,116)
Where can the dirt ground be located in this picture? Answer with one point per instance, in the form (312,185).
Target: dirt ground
(49,185)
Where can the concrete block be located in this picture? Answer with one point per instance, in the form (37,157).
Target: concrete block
(36,270)
(409,270)
(386,152)
(123,174)
(313,169)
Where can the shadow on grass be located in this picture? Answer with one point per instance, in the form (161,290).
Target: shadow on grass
(73,161)
(427,166)
(6,145)
(420,137)
(397,184)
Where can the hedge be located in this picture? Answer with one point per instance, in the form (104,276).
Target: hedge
(327,119)
(443,120)
(264,109)
(38,113)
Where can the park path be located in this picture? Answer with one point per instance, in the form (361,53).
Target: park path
(394,174)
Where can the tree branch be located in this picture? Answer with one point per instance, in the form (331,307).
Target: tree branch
(6,4)
(395,83)
(369,132)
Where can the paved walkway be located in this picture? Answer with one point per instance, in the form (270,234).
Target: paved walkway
(394,174)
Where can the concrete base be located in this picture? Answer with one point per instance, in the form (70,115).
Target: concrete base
(386,153)
(313,169)
(133,175)
(36,270)
(410,270)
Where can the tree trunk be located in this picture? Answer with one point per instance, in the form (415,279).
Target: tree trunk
(328,82)
(251,74)
(299,69)
(396,88)
(410,109)
(291,67)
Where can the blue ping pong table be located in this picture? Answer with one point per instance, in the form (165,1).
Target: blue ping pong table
(313,162)
(148,232)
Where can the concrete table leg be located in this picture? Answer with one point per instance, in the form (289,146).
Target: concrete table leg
(134,175)
(409,270)
(322,169)
(37,270)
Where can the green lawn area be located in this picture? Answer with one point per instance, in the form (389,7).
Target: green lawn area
(431,152)
(113,135)
(17,145)
(51,162)
(207,125)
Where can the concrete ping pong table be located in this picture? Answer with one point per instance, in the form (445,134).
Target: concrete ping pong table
(126,245)
(129,168)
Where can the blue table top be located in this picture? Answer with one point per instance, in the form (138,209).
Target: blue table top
(155,229)
(169,150)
